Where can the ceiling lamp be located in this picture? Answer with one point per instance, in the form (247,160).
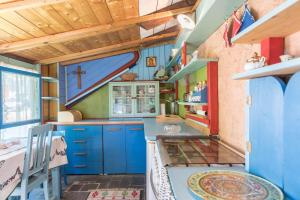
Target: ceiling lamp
(186,22)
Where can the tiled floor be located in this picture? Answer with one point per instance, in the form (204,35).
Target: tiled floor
(78,186)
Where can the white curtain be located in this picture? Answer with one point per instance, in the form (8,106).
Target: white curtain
(20,97)
(20,103)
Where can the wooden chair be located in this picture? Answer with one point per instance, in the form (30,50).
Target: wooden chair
(36,162)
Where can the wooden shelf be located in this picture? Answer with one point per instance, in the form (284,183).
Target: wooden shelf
(167,91)
(192,66)
(205,26)
(283,68)
(50,98)
(49,79)
(191,104)
(280,22)
(197,118)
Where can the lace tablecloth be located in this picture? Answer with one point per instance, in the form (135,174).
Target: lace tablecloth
(12,161)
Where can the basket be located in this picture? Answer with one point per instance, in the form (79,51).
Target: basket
(128,76)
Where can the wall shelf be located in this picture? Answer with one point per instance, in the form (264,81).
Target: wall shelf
(281,21)
(50,98)
(49,79)
(192,66)
(191,104)
(283,68)
(205,27)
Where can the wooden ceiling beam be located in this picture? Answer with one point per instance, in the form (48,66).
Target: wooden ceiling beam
(111,48)
(25,4)
(95,57)
(196,5)
(87,32)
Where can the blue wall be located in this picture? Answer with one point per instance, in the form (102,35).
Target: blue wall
(98,69)
(94,71)
(162,54)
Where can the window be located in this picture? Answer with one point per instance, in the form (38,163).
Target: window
(20,100)
(16,132)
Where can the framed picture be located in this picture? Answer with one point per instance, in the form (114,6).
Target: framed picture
(151,61)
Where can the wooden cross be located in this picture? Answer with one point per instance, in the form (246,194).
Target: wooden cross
(78,72)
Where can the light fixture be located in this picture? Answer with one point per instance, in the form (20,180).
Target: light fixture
(186,22)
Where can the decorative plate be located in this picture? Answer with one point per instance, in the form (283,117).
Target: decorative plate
(232,185)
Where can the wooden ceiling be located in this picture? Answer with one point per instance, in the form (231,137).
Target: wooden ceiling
(47,31)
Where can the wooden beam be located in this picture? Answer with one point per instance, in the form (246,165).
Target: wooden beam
(25,4)
(196,5)
(115,47)
(87,32)
(103,55)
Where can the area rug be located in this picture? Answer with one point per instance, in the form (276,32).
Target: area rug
(115,194)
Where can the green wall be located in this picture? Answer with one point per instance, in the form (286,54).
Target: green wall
(199,75)
(95,105)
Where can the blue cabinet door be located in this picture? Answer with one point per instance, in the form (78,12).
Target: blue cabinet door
(266,129)
(84,149)
(135,149)
(291,139)
(114,149)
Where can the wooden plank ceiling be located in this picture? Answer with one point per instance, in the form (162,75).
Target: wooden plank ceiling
(46,31)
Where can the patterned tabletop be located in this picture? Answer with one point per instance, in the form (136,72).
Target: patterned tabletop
(232,185)
(12,161)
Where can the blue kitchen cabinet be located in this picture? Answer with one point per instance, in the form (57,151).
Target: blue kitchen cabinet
(114,149)
(135,149)
(84,149)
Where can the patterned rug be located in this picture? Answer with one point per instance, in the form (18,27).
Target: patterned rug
(115,194)
(231,185)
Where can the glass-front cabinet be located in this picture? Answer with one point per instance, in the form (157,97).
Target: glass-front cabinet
(134,99)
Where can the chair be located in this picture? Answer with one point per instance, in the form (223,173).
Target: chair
(36,163)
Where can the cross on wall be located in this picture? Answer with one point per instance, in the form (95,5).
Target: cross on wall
(78,72)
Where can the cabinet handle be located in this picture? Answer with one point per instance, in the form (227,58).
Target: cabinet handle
(136,129)
(80,166)
(80,154)
(114,129)
(78,129)
(79,141)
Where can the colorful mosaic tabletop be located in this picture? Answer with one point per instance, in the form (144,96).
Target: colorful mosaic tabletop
(115,194)
(231,185)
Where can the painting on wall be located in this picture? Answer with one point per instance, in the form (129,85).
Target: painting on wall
(151,61)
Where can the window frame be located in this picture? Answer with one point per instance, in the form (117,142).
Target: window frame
(25,122)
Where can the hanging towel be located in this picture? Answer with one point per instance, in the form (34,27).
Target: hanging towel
(247,19)
(236,24)
(226,35)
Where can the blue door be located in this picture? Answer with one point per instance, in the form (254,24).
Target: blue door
(291,164)
(135,149)
(266,128)
(114,149)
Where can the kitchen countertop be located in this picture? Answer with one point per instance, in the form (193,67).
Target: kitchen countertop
(153,129)
(179,183)
(102,121)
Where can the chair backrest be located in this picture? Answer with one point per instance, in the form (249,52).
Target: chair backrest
(38,150)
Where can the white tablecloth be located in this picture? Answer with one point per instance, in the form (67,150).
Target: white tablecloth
(12,162)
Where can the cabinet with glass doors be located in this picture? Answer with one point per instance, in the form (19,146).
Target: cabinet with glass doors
(134,99)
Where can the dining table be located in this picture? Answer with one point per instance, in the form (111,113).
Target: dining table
(12,162)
